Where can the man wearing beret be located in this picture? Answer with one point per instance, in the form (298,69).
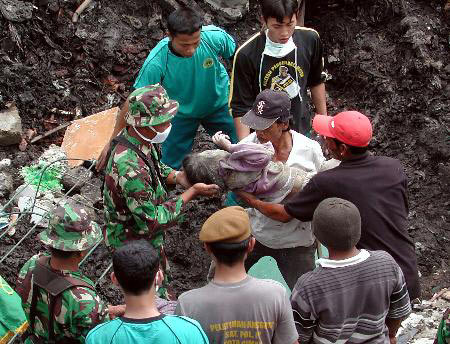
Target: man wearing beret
(235,307)
(327,301)
(135,194)
(377,185)
(60,302)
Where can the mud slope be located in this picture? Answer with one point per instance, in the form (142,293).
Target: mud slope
(387,58)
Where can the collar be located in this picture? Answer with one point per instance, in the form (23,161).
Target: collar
(332,264)
(357,158)
(144,147)
(142,321)
(172,50)
(232,285)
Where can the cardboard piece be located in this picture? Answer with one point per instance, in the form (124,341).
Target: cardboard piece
(86,137)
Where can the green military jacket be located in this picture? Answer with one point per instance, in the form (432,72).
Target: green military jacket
(12,318)
(79,311)
(134,208)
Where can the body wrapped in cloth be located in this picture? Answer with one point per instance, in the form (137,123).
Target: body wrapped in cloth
(249,167)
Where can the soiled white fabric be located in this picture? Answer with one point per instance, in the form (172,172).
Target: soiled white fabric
(306,156)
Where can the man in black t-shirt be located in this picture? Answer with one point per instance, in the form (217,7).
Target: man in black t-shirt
(284,57)
(377,185)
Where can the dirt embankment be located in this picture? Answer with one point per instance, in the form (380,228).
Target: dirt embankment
(387,58)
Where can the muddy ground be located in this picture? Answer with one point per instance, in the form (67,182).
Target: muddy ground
(386,58)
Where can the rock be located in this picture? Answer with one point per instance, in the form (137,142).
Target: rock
(15,10)
(6,184)
(5,163)
(168,6)
(230,10)
(91,190)
(76,177)
(10,127)
(26,97)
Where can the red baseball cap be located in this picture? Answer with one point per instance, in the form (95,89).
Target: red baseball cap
(350,127)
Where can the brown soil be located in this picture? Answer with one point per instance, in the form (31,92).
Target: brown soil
(387,58)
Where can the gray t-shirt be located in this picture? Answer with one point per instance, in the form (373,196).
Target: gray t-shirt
(250,311)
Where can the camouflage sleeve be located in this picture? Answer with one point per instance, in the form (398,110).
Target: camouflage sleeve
(82,310)
(23,284)
(149,207)
(165,170)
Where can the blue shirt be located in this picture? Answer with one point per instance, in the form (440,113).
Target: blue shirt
(163,329)
(199,83)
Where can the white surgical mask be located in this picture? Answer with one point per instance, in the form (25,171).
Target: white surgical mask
(278,50)
(158,138)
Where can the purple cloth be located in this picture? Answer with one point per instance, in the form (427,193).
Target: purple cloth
(166,307)
(251,157)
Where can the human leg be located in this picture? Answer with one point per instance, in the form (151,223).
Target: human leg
(294,262)
(179,142)
(258,252)
(220,121)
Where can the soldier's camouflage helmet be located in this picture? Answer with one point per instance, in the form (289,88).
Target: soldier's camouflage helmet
(150,106)
(71,229)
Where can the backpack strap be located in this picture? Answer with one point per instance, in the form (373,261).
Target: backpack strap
(153,167)
(54,284)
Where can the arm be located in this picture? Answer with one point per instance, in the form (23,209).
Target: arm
(242,94)
(242,131)
(393,325)
(83,310)
(316,77)
(285,331)
(273,211)
(400,305)
(227,44)
(319,98)
(304,319)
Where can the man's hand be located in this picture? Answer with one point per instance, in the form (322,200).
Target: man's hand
(222,140)
(205,189)
(116,311)
(393,340)
(102,159)
(182,180)
(274,211)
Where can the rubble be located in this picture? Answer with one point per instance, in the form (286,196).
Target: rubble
(230,10)
(73,177)
(6,184)
(10,126)
(17,11)
(422,324)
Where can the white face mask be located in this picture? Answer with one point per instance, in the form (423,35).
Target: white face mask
(159,137)
(278,49)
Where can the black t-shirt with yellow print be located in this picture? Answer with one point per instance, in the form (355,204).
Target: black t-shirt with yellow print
(254,71)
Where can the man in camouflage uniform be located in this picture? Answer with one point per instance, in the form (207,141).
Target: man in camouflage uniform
(69,236)
(135,196)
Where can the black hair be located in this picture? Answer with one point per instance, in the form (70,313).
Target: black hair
(352,149)
(203,168)
(135,265)
(62,254)
(184,21)
(229,253)
(279,9)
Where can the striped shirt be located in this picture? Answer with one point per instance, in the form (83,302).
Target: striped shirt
(348,301)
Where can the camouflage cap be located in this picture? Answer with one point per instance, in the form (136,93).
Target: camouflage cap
(70,229)
(150,106)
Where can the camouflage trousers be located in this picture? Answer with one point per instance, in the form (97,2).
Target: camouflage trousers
(157,241)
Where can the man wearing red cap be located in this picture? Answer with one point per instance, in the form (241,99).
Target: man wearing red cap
(377,185)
